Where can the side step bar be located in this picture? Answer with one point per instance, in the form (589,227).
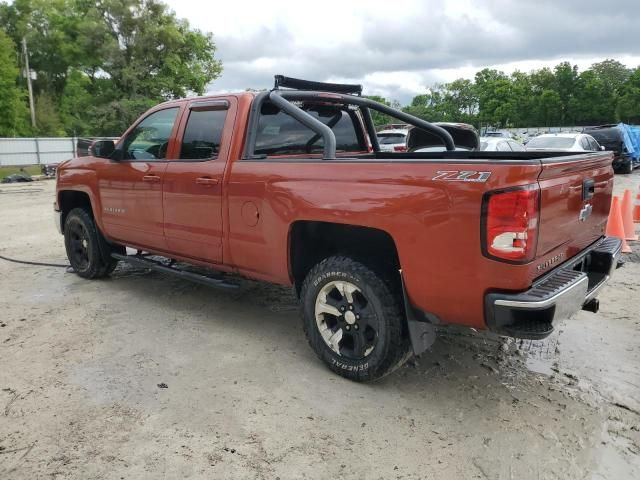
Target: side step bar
(141,261)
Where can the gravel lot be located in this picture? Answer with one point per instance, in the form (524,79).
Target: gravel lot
(82,364)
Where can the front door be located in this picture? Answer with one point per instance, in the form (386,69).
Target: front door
(130,189)
(193,182)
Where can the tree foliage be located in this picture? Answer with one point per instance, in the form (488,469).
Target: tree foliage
(13,121)
(101,63)
(605,93)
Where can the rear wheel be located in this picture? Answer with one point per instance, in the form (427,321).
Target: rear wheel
(626,167)
(88,252)
(352,320)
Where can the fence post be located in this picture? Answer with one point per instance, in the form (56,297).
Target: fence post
(37,150)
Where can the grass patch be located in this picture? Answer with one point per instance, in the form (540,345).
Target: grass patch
(27,170)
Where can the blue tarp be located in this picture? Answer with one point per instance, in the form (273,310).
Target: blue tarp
(631,137)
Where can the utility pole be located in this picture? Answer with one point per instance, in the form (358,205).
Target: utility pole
(28,73)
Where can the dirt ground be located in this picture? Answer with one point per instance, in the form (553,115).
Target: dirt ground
(145,376)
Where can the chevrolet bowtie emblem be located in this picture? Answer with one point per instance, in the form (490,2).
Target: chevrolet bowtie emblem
(585,212)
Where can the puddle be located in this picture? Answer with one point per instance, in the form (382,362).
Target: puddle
(539,365)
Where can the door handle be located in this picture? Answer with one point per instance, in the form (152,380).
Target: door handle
(206,181)
(151,178)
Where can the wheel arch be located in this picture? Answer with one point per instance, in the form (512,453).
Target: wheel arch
(311,241)
(68,199)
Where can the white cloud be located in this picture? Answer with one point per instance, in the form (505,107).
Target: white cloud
(398,48)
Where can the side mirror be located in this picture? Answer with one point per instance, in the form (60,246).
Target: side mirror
(602,147)
(102,148)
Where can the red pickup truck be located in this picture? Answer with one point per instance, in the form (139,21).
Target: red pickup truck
(289,186)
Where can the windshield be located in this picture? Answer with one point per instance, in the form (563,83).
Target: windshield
(551,142)
(390,138)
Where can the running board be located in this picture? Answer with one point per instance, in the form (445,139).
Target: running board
(141,261)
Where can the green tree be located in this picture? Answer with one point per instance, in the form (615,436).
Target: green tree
(629,102)
(14,118)
(75,103)
(494,90)
(594,102)
(48,122)
(147,50)
(379,118)
(91,56)
(613,73)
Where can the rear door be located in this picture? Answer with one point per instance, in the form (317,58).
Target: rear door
(193,184)
(574,203)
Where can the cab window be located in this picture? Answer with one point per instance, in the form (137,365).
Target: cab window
(281,134)
(201,140)
(149,140)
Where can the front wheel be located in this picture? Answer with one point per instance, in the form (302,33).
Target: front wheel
(352,320)
(88,252)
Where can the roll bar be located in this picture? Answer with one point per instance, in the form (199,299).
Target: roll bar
(282,99)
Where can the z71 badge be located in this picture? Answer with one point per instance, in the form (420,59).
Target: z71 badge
(461,176)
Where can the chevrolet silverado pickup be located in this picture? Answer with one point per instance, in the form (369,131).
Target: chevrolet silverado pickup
(290,186)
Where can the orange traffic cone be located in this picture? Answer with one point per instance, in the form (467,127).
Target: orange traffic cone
(627,217)
(614,224)
(636,209)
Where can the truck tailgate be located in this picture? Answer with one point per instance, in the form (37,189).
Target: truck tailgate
(575,195)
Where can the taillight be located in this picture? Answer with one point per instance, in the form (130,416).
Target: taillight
(399,148)
(510,224)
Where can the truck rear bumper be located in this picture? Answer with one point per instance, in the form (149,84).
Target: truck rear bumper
(555,296)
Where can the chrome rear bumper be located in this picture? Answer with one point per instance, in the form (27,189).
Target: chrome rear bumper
(556,296)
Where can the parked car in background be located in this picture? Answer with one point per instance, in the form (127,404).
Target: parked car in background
(465,137)
(393,140)
(612,138)
(500,144)
(564,142)
(498,133)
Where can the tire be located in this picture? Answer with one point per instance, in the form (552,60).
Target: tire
(627,167)
(363,337)
(88,252)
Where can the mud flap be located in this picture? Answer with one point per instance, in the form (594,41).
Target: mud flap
(421,333)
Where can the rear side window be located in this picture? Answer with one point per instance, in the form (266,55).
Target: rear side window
(201,140)
(281,134)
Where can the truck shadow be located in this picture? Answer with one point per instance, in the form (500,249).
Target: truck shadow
(272,313)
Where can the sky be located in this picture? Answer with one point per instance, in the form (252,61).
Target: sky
(398,48)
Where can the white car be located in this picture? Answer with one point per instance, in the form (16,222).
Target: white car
(393,140)
(500,144)
(564,142)
(499,134)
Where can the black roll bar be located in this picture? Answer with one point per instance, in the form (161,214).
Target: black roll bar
(281,99)
(308,121)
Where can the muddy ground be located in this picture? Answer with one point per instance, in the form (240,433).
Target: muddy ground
(83,363)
